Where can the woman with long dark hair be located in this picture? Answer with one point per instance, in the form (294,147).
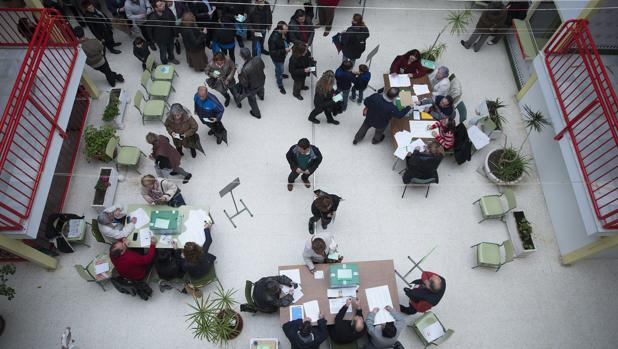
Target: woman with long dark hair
(323,99)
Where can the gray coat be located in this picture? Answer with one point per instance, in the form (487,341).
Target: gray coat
(375,332)
(222,78)
(251,75)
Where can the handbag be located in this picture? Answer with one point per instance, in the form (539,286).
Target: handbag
(177,46)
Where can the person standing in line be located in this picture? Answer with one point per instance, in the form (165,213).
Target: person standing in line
(194,40)
(95,56)
(162,31)
(210,111)
(141,51)
(345,78)
(183,129)
(300,65)
(100,26)
(323,98)
(304,159)
(252,79)
(260,20)
(491,22)
(514,10)
(361,81)
(279,48)
(379,109)
(353,40)
(324,209)
(178,9)
(224,36)
(166,157)
(220,72)
(138,11)
(326,14)
(301,29)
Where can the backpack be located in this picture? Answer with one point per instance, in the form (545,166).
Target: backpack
(168,264)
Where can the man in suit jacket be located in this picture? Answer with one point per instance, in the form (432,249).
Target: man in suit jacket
(379,109)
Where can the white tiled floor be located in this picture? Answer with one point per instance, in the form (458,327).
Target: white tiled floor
(533,302)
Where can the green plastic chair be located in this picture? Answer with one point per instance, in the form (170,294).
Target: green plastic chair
(128,156)
(335,345)
(494,207)
(154,109)
(96,232)
(423,322)
(83,272)
(249,293)
(488,254)
(419,182)
(488,127)
(158,89)
(163,72)
(207,279)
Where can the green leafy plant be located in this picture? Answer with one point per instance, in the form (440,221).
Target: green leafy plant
(533,121)
(214,318)
(456,23)
(102,184)
(96,142)
(5,290)
(494,106)
(524,229)
(111,111)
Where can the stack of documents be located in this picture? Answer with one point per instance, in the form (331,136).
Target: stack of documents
(312,310)
(419,129)
(194,227)
(141,216)
(399,80)
(420,89)
(380,297)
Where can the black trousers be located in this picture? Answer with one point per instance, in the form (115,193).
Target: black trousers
(108,39)
(325,220)
(317,111)
(109,74)
(293,175)
(298,86)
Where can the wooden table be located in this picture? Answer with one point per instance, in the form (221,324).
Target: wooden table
(371,273)
(184,210)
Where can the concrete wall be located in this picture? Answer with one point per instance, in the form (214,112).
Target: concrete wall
(570,8)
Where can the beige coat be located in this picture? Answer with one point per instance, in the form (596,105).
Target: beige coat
(163,186)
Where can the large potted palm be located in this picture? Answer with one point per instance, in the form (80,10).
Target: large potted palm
(214,318)
(507,165)
(456,23)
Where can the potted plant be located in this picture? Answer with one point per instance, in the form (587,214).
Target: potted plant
(524,230)
(456,22)
(214,318)
(101,187)
(96,142)
(112,110)
(508,165)
(5,290)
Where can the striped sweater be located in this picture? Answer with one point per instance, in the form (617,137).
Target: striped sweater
(445,137)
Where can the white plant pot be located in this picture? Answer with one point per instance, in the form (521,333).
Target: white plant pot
(492,178)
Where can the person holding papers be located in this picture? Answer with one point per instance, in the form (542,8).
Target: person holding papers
(446,132)
(318,248)
(410,64)
(323,98)
(345,78)
(304,336)
(323,208)
(198,260)
(379,109)
(130,264)
(165,156)
(183,129)
(304,159)
(159,191)
(426,294)
(348,331)
(440,82)
(300,65)
(260,20)
(112,223)
(384,336)
(267,294)
(423,164)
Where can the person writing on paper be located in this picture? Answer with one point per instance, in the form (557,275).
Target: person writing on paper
(197,260)
(112,223)
(423,164)
(130,264)
(379,109)
(385,336)
(408,63)
(304,336)
(348,331)
(426,294)
(323,208)
(440,82)
(323,99)
(318,248)
(445,134)
(160,191)
(267,294)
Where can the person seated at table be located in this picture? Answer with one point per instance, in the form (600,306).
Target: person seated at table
(423,164)
(160,191)
(379,109)
(446,132)
(131,264)
(267,294)
(304,336)
(348,331)
(112,223)
(441,107)
(409,63)
(168,264)
(323,208)
(384,336)
(317,250)
(198,260)
(427,293)
(440,83)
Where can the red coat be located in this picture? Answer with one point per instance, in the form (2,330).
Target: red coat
(400,66)
(422,306)
(163,148)
(132,265)
(328,2)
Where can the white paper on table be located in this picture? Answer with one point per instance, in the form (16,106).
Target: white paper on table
(419,129)
(161,223)
(101,268)
(293,274)
(166,239)
(312,310)
(298,294)
(141,216)
(319,274)
(415,99)
(194,228)
(401,152)
(285,289)
(417,143)
(144,237)
(420,89)
(399,80)
(341,292)
(380,297)
(477,137)
(403,138)
(311,69)
(335,305)
(416,115)
(433,332)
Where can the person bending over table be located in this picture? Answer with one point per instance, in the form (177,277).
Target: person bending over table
(267,294)
(112,222)
(385,336)
(426,294)
(379,109)
(131,264)
(441,107)
(304,336)
(409,63)
(318,248)
(446,132)
(198,260)
(323,208)
(423,164)
(348,331)
(160,191)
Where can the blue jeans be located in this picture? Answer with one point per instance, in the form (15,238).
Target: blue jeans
(346,95)
(360,94)
(166,51)
(279,73)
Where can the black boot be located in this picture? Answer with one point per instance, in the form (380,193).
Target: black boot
(180,151)
(193,153)
(227,99)
(311,226)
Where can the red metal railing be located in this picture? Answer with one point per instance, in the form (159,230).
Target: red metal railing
(589,106)
(45,43)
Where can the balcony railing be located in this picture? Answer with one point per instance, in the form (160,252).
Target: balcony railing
(33,107)
(589,107)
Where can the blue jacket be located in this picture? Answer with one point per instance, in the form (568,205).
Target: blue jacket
(361,81)
(344,79)
(380,111)
(208,108)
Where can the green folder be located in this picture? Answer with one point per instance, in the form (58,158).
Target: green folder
(344,275)
(428,64)
(164,221)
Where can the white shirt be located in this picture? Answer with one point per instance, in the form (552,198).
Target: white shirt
(440,88)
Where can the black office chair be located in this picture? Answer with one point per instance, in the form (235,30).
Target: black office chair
(418,182)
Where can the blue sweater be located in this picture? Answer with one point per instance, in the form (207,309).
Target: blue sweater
(208,108)
(361,81)
(344,79)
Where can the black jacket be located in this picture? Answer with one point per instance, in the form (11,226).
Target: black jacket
(313,163)
(266,301)
(141,53)
(353,41)
(319,333)
(462,147)
(199,270)
(251,75)
(224,33)
(276,47)
(159,27)
(193,39)
(200,11)
(260,18)
(418,294)
(343,332)
(324,102)
(98,23)
(317,213)
(422,166)
(297,66)
(168,264)
(294,31)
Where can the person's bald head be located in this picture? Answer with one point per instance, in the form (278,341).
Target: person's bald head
(202,91)
(434,283)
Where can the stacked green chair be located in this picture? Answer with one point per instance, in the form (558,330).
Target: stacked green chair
(430,321)
(96,232)
(163,72)
(497,206)
(157,89)
(489,255)
(153,109)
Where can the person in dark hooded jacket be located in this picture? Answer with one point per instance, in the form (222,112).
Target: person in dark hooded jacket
(428,292)
(353,40)
(491,22)
(300,28)
(304,336)
(267,293)
(423,164)
(260,20)
(252,80)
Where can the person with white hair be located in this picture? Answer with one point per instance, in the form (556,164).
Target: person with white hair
(112,222)
(439,82)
